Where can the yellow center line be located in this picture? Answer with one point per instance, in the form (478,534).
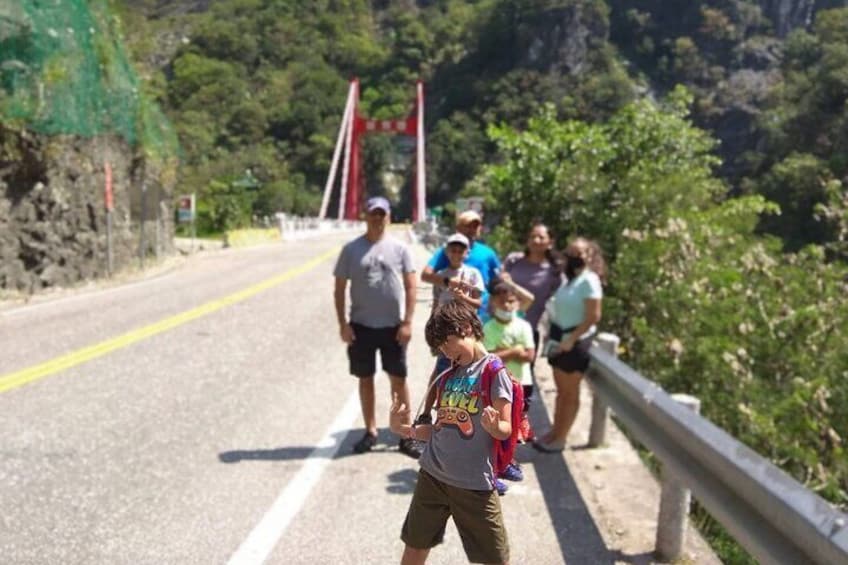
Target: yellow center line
(28,375)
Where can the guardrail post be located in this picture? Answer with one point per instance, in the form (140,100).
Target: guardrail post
(674,503)
(600,412)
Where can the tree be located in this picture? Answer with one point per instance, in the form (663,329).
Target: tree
(702,302)
(798,184)
(632,172)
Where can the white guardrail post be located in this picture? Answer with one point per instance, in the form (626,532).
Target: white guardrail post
(600,411)
(675,500)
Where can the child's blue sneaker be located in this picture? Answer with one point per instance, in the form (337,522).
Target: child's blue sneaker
(512,473)
(500,486)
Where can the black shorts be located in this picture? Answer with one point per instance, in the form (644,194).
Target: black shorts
(362,352)
(574,361)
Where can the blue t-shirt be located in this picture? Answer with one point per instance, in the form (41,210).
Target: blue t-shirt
(481,257)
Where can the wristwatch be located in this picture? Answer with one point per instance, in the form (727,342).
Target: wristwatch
(446,280)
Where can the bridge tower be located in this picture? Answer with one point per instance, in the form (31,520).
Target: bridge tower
(353,127)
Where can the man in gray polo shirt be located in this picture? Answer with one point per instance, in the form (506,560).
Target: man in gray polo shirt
(382,301)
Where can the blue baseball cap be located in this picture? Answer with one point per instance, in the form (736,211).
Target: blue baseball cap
(378,203)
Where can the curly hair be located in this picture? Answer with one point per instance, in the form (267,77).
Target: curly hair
(597,262)
(454,318)
(594,256)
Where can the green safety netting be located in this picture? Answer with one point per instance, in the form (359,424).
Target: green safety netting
(63,70)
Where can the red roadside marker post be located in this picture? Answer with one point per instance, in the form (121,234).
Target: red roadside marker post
(110,206)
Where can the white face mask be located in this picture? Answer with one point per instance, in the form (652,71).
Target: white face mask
(504,315)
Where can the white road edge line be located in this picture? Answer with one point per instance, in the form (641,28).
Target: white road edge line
(264,537)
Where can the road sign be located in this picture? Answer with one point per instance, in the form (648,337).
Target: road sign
(185,208)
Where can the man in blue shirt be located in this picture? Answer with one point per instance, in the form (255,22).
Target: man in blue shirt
(480,256)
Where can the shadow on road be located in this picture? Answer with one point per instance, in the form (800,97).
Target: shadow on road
(402,482)
(646,558)
(386,443)
(579,538)
(278,454)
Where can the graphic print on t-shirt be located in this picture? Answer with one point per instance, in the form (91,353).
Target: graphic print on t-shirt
(460,400)
(375,266)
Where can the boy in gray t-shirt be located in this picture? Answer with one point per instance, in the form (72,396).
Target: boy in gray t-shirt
(459,281)
(457,474)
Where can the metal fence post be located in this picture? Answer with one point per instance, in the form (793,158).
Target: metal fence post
(674,503)
(600,412)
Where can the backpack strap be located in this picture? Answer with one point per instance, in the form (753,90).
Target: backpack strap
(503,450)
(440,384)
(493,366)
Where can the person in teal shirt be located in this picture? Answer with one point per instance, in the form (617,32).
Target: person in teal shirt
(574,313)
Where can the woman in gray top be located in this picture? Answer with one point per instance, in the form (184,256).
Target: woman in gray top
(539,270)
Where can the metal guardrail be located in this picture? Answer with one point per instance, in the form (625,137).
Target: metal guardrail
(773,516)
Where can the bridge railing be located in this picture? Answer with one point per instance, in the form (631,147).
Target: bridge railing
(296,227)
(773,516)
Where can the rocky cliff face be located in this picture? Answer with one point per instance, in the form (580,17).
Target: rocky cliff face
(787,15)
(559,42)
(746,88)
(52,210)
(70,101)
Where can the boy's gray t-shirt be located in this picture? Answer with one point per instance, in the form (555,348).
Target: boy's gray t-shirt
(375,270)
(459,452)
(467,274)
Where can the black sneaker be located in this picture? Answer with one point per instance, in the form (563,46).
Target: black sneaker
(410,447)
(365,445)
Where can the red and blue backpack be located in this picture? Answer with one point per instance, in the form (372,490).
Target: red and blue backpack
(504,449)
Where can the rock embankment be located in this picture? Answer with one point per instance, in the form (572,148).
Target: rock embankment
(52,208)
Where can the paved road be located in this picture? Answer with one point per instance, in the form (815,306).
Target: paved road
(209,431)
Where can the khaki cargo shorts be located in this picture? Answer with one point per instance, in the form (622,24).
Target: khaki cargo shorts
(476,513)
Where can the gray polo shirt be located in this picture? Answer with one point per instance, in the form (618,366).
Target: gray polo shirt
(375,271)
